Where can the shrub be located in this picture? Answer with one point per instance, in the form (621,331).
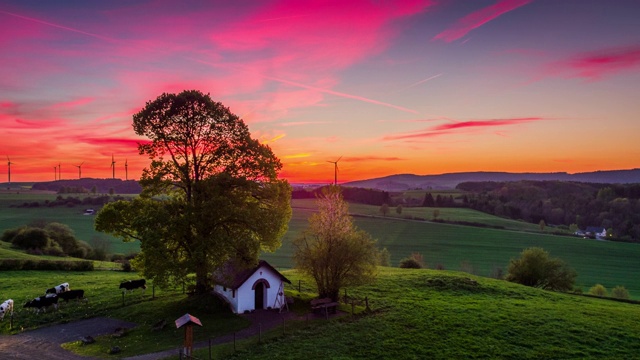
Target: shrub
(536,269)
(598,290)
(9,234)
(410,263)
(619,292)
(384,257)
(31,238)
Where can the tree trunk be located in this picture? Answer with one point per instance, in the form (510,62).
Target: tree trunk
(203,283)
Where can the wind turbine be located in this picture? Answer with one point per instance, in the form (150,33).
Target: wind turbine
(335,170)
(59,171)
(126,170)
(9,168)
(113,166)
(55,173)
(79,170)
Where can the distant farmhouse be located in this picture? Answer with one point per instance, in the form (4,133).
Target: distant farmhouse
(593,232)
(256,288)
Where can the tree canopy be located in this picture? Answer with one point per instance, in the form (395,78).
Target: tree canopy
(210,194)
(333,250)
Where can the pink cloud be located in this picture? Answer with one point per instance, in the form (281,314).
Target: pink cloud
(73,103)
(447,129)
(596,65)
(31,124)
(478,18)
(484,123)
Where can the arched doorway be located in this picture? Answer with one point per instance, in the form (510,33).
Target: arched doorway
(260,289)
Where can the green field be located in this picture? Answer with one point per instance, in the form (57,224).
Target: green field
(430,314)
(82,225)
(479,250)
(105,299)
(416,314)
(483,249)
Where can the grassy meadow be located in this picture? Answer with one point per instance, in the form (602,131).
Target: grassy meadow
(416,314)
(105,299)
(431,314)
(481,251)
(82,225)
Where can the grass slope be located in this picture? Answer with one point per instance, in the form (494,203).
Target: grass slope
(429,314)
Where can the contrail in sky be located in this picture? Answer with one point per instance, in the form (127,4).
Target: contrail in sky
(59,26)
(325,91)
(418,83)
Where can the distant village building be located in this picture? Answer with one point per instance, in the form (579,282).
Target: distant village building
(593,232)
(259,287)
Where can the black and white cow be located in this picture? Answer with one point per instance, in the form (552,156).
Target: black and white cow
(133,284)
(43,302)
(6,307)
(71,295)
(58,289)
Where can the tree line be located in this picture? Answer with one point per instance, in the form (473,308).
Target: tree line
(615,207)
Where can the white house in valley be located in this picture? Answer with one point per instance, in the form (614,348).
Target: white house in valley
(248,289)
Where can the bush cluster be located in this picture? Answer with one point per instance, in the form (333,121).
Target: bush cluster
(42,238)
(28,264)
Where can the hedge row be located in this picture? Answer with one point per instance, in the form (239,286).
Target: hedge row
(22,264)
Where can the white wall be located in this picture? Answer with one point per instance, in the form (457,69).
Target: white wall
(245,295)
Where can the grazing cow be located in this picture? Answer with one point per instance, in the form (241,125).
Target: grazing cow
(43,302)
(133,284)
(72,294)
(58,289)
(6,307)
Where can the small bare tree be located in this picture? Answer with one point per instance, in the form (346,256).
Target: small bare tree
(332,250)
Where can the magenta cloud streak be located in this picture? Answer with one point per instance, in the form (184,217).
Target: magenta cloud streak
(478,18)
(446,129)
(596,65)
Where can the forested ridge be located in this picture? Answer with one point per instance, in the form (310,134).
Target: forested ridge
(615,207)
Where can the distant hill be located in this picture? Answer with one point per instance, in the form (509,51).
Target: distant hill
(119,186)
(402,182)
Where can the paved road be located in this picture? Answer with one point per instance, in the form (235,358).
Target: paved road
(44,343)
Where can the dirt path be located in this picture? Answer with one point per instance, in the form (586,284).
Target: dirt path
(44,343)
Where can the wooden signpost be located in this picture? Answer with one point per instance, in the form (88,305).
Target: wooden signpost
(187,322)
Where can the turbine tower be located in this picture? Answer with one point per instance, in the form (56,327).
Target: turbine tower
(79,170)
(335,170)
(59,171)
(9,168)
(126,170)
(55,173)
(113,167)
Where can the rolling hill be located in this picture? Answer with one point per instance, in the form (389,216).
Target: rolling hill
(402,182)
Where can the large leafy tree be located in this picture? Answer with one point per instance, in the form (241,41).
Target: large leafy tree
(211,193)
(333,250)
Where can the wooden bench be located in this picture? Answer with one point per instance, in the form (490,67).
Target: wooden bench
(325,304)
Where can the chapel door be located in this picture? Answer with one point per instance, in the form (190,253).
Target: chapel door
(259,296)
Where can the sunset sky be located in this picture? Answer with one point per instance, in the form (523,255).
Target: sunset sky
(422,87)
